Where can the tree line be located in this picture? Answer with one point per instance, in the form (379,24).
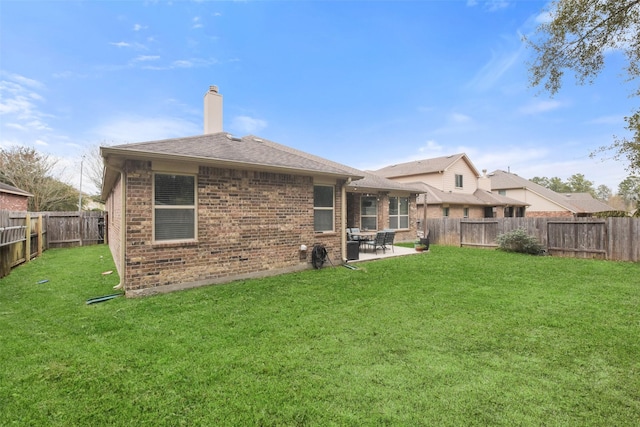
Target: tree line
(35,172)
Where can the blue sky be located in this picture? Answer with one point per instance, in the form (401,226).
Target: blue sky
(364,83)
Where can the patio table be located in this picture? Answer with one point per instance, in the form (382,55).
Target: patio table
(364,236)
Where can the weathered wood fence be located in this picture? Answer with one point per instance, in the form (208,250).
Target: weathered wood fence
(608,238)
(24,235)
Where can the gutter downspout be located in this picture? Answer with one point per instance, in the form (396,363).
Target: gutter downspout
(343,222)
(123,224)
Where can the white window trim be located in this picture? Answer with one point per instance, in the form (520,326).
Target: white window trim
(400,215)
(194,207)
(326,208)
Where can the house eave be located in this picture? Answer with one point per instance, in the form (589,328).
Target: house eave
(115,159)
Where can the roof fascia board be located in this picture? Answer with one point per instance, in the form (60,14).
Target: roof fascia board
(122,155)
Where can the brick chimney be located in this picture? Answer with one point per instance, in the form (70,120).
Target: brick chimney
(212,111)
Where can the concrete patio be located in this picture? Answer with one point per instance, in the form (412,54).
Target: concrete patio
(369,255)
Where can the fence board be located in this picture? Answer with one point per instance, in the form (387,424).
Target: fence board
(45,230)
(612,238)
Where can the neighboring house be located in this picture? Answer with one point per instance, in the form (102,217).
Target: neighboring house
(13,199)
(451,186)
(214,208)
(544,202)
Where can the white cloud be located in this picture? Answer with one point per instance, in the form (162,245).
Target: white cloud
(246,124)
(540,106)
(608,120)
(196,23)
(137,46)
(490,5)
(133,128)
(138,27)
(430,147)
(143,58)
(459,118)
(496,68)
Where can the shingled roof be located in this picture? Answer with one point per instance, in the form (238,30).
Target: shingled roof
(573,202)
(224,148)
(419,167)
(249,152)
(478,198)
(6,188)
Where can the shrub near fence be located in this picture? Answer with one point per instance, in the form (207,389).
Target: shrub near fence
(609,238)
(24,235)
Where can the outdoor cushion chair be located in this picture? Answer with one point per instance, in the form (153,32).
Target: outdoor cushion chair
(378,242)
(388,240)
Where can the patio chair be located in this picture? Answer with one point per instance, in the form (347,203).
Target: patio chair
(376,243)
(354,230)
(388,240)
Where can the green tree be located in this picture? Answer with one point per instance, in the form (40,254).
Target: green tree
(541,180)
(558,186)
(629,190)
(579,184)
(31,171)
(577,37)
(603,193)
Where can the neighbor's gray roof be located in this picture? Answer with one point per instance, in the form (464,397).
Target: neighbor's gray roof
(478,198)
(6,188)
(418,167)
(573,202)
(585,202)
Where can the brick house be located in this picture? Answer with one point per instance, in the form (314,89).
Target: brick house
(213,208)
(13,199)
(451,186)
(544,202)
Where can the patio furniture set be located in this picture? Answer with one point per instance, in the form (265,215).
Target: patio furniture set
(372,239)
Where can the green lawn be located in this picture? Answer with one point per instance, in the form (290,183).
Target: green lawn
(455,337)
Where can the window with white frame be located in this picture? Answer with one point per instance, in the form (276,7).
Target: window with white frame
(459,181)
(174,207)
(445,211)
(369,213)
(465,212)
(398,212)
(323,207)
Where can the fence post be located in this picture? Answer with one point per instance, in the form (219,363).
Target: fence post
(39,232)
(27,242)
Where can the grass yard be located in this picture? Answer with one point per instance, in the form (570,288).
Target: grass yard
(455,337)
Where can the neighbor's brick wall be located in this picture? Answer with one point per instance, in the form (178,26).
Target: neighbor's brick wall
(248,222)
(551,214)
(13,202)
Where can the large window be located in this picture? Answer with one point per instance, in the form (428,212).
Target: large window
(369,213)
(174,204)
(323,208)
(398,212)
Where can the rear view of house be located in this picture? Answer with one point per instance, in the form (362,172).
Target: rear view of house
(213,208)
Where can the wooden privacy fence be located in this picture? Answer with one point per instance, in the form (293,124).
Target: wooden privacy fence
(24,235)
(609,238)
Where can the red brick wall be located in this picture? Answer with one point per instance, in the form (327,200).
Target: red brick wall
(354,209)
(551,214)
(13,202)
(248,223)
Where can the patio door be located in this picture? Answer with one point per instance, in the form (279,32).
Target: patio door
(369,213)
